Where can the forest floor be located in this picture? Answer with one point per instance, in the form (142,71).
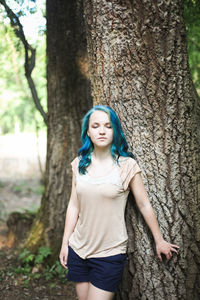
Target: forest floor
(20,190)
(15,286)
(20,286)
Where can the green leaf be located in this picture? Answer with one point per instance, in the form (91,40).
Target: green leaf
(43,253)
(24,253)
(29,258)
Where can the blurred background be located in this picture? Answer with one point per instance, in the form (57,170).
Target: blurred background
(22,129)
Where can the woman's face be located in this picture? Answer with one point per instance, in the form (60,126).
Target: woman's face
(100,129)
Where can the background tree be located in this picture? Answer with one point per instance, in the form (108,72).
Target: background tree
(139,66)
(68,100)
(29,53)
(192,21)
(17,109)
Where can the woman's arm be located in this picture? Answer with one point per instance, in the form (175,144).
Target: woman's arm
(70,223)
(144,205)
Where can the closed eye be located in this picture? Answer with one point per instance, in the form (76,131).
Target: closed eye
(108,125)
(96,125)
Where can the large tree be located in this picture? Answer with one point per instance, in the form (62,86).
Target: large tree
(139,66)
(69,98)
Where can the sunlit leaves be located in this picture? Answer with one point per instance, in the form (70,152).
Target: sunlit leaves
(17,109)
(192,21)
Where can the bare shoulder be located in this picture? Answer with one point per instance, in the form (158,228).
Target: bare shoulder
(75,160)
(74,164)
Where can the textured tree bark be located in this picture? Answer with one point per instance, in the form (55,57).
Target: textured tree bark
(139,66)
(69,98)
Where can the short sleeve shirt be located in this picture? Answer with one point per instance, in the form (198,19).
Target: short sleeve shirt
(100,230)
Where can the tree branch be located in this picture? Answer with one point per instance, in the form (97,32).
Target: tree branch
(30,53)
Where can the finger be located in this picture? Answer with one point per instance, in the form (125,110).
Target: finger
(168,256)
(63,261)
(64,266)
(174,250)
(175,246)
(159,256)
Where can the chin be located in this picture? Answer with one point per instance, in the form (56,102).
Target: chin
(102,145)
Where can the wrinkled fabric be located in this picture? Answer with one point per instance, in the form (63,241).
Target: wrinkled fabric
(100,230)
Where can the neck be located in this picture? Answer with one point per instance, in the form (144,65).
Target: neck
(102,154)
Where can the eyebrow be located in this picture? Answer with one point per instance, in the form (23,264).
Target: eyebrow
(98,123)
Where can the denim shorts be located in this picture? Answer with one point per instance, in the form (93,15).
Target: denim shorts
(103,272)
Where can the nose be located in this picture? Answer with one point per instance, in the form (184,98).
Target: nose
(102,130)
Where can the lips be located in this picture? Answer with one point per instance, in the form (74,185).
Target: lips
(102,138)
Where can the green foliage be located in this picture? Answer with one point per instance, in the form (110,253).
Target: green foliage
(2,184)
(28,258)
(1,275)
(17,110)
(39,190)
(18,188)
(35,265)
(56,270)
(25,188)
(192,22)
(43,253)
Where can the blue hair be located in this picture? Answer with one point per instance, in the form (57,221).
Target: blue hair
(119,145)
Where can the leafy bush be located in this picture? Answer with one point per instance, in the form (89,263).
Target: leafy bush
(35,265)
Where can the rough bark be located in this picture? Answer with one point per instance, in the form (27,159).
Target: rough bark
(139,66)
(69,98)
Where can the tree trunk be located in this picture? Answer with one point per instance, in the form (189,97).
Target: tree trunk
(69,98)
(139,66)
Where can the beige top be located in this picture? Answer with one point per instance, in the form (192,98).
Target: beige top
(100,230)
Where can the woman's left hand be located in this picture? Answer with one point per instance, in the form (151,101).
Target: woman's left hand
(166,249)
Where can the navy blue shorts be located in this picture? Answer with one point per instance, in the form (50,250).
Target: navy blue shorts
(103,272)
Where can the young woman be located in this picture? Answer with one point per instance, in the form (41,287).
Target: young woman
(95,238)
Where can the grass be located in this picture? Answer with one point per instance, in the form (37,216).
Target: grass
(25,188)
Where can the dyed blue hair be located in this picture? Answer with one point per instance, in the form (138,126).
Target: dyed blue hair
(119,145)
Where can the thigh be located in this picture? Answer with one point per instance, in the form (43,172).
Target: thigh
(106,272)
(78,270)
(82,290)
(98,294)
